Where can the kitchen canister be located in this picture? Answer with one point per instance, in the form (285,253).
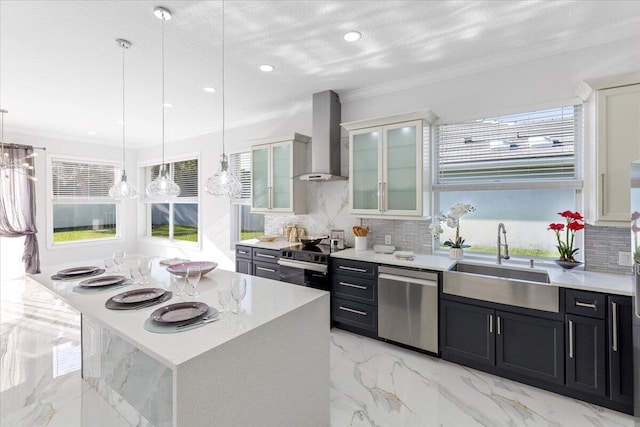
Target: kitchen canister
(361,243)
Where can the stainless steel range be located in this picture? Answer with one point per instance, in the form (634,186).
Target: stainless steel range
(306,266)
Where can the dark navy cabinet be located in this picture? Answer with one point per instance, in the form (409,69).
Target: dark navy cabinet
(243,260)
(620,346)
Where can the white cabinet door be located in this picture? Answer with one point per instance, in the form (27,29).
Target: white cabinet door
(386,170)
(365,171)
(618,143)
(281,185)
(402,173)
(274,167)
(260,178)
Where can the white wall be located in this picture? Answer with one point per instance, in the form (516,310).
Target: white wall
(521,86)
(51,255)
(505,89)
(214,212)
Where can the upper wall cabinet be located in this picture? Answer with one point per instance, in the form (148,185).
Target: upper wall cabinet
(388,166)
(612,141)
(274,163)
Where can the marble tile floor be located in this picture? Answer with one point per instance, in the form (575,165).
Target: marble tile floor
(373,383)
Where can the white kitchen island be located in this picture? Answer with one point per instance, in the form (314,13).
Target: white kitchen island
(266,367)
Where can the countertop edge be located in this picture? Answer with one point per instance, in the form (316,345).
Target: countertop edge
(618,284)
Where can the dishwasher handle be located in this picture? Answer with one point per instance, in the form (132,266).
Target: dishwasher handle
(405,279)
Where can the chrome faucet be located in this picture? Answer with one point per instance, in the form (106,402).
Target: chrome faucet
(500,244)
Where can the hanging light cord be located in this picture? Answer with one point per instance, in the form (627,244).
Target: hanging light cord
(163,107)
(223,87)
(123,115)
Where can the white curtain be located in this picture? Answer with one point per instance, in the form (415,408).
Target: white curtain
(18,206)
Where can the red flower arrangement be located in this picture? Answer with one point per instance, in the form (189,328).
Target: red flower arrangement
(574,222)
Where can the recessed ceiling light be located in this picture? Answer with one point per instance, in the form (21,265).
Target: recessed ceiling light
(266,68)
(167,104)
(352,36)
(209,89)
(91,133)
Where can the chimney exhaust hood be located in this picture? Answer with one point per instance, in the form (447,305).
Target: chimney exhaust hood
(325,142)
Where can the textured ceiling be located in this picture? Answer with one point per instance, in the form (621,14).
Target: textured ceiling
(60,67)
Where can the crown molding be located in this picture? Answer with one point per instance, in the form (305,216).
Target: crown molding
(538,51)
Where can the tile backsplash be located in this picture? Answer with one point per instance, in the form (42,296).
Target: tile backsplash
(328,206)
(601,247)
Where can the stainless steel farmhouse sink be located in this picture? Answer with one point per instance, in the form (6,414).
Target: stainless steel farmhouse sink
(527,288)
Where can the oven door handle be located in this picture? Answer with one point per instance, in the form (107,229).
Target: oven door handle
(303,265)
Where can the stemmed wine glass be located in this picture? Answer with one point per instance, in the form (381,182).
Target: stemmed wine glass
(224,298)
(144,267)
(118,258)
(180,283)
(238,291)
(193,277)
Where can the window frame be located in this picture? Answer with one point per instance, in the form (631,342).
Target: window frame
(577,183)
(119,216)
(236,203)
(146,203)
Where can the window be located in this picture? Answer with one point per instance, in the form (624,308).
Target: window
(81,208)
(518,169)
(244,224)
(178,219)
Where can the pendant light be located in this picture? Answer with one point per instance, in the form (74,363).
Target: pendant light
(223,183)
(122,189)
(163,187)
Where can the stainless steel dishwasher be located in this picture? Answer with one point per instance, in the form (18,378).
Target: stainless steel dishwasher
(408,307)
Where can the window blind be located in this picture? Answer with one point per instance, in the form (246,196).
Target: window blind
(77,180)
(536,145)
(184,173)
(240,167)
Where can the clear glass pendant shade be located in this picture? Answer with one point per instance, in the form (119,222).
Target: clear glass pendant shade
(223,183)
(163,188)
(122,189)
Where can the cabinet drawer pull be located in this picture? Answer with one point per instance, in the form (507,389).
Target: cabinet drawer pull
(270,270)
(351,285)
(243,252)
(499,326)
(351,310)
(614,324)
(491,323)
(587,304)
(570,339)
(266,256)
(359,270)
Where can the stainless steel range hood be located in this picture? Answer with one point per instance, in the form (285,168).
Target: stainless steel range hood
(325,142)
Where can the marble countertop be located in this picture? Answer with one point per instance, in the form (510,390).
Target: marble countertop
(276,244)
(265,300)
(618,284)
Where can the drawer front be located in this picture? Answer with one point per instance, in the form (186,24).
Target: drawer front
(243,252)
(355,288)
(266,270)
(244,266)
(355,314)
(266,255)
(583,303)
(349,267)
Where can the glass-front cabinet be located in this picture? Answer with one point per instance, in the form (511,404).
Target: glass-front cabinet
(274,164)
(387,168)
